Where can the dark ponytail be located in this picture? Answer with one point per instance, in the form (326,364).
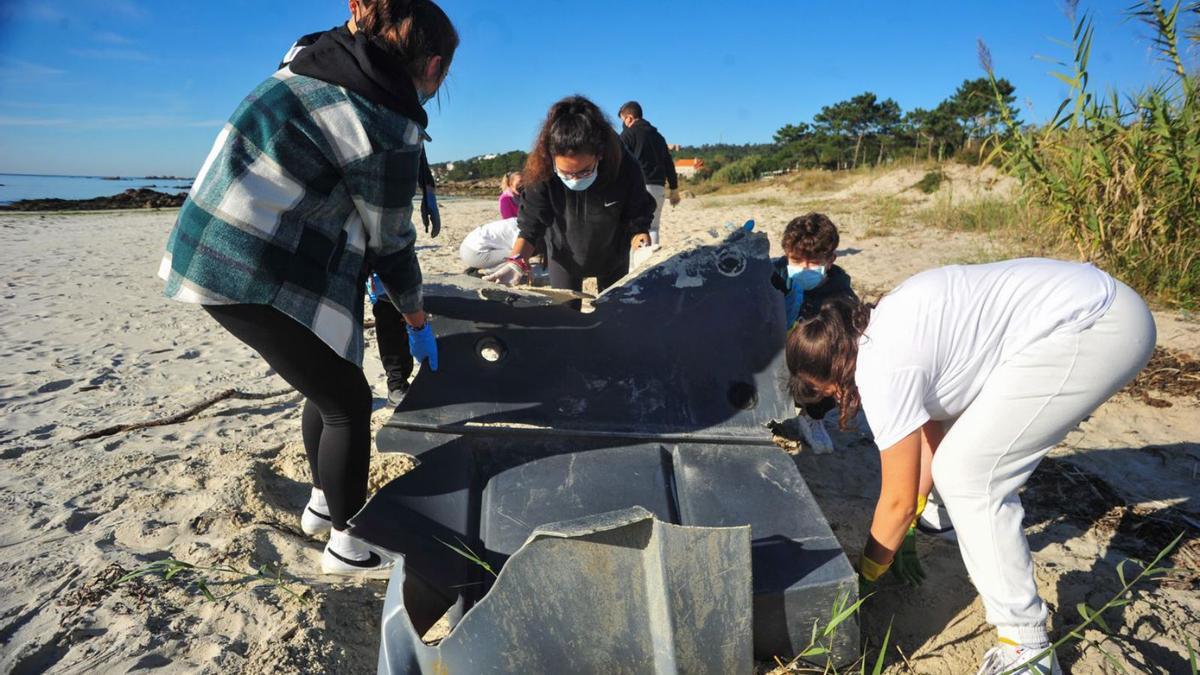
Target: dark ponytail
(823,351)
(412,30)
(573,126)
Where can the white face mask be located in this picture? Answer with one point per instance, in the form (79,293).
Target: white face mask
(580,184)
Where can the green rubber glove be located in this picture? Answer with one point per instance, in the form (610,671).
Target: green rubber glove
(865,587)
(907,565)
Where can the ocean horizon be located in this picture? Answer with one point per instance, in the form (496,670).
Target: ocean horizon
(17,186)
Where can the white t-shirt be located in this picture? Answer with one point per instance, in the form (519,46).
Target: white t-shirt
(496,235)
(933,341)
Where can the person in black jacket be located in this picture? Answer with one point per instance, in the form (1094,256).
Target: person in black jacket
(585,194)
(650,149)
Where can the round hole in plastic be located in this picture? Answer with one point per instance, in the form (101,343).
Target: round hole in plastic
(743,395)
(491,349)
(731,262)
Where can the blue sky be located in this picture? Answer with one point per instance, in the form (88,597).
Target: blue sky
(133,87)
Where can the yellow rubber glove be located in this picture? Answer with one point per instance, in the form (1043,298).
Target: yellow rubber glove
(922,500)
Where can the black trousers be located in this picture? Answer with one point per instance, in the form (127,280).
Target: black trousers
(561,278)
(391,332)
(336,423)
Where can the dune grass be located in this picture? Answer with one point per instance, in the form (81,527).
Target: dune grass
(1119,176)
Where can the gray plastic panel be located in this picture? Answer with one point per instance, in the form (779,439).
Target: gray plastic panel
(612,593)
(761,486)
(565,487)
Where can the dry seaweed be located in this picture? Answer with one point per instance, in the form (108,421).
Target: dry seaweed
(1169,372)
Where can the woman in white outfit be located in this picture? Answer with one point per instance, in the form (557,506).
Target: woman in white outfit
(489,244)
(968,375)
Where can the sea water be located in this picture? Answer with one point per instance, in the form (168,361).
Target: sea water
(14,187)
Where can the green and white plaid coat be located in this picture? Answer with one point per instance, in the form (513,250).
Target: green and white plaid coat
(307,185)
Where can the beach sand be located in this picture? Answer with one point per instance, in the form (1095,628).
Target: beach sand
(87,341)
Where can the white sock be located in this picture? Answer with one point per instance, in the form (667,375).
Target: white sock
(1028,637)
(347,546)
(316,500)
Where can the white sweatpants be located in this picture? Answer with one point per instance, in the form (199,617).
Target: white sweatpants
(1029,403)
(489,244)
(659,192)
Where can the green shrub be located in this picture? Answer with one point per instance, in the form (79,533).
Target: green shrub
(931,181)
(743,170)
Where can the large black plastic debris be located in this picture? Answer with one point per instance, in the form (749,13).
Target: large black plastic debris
(620,592)
(658,398)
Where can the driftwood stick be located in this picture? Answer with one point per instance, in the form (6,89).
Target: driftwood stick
(184,415)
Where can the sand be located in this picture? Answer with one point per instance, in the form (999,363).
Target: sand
(87,341)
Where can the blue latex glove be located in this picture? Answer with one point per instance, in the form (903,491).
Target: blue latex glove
(430,214)
(794,299)
(747,226)
(375,289)
(423,345)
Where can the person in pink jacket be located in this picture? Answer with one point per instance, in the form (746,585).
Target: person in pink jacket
(510,200)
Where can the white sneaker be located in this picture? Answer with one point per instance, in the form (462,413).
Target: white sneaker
(935,521)
(315,520)
(396,396)
(349,556)
(815,435)
(1004,658)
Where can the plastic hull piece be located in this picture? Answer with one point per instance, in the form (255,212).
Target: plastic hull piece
(540,415)
(690,348)
(619,592)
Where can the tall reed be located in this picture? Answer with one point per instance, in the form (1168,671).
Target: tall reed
(1120,176)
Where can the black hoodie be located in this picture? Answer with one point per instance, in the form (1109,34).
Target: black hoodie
(354,61)
(650,149)
(588,231)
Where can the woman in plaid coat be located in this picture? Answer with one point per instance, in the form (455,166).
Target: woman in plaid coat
(310,183)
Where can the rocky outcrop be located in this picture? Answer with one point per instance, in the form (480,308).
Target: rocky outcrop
(487,187)
(133,198)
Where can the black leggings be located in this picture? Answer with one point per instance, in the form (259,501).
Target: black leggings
(561,278)
(391,331)
(336,423)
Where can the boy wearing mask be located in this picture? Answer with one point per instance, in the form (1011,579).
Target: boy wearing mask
(806,273)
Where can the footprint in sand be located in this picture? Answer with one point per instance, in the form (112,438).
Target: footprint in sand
(106,374)
(57,385)
(79,520)
(43,432)
(14,453)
